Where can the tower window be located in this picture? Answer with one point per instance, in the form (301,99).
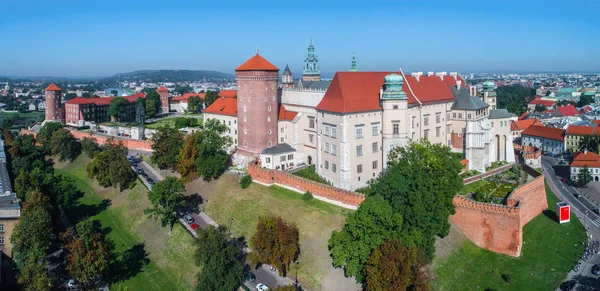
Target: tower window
(270,132)
(269,108)
(245,109)
(268,118)
(395,107)
(245,144)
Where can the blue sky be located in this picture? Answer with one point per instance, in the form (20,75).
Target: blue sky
(98,38)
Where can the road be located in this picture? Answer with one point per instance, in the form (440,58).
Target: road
(584,210)
(263,274)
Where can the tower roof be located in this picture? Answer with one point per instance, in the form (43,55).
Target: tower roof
(257,63)
(53,87)
(287,70)
(162,89)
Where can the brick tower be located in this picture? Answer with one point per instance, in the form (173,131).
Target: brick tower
(164,99)
(257,105)
(54,111)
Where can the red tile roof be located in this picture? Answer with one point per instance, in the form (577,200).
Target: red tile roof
(162,89)
(582,130)
(524,124)
(588,158)
(547,103)
(104,101)
(228,93)
(286,114)
(222,93)
(52,87)
(359,91)
(545,132)
(524,115)
(568,110)
(223,106)
(257,63)
(596,122)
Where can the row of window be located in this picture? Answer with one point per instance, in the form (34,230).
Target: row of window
(374,131)
(268,108)
(330,130)
(333,166)
(359,168)
(438,118)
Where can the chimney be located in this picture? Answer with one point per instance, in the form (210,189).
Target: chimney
(458,85)
(441,75)
(380,92)
(585,151)
(417,75)
(454,75)
(429,73)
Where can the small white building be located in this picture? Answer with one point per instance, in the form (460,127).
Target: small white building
(583,159)
(281,157)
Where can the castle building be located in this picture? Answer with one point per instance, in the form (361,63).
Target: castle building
(54,110)
(164,99)
(346,127)
(79,110)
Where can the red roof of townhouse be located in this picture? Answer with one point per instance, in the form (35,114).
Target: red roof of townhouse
(596,122)
(223,106)
(222,93)
(524,115)
(162,89)
(52,87)
(538,101)
(582,130)
(228,93)
(286,114)
(524,124)
(104,101)
(257,63)
(359,91)
(545,132)
(568,110)
(586,158)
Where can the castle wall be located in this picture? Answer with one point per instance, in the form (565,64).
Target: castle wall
(531,199)
(128,143)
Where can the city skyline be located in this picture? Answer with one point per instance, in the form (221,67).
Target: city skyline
(75,39)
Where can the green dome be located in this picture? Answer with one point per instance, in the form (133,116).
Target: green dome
(393,78)
(489,84)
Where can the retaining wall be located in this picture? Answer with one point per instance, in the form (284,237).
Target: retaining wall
(487,174)
(128,143)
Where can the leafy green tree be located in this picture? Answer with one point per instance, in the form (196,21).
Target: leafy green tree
(46,132)
(210,97)
(584,176)
(34,276)
(585,100)
(276,242)
(63,189)
(539,108)
(420,183)
(64,145)
(33,234)
(114,93)
(70,96)
(372,224)
(119,109)
(152,104)
(218,260)
(110,166)
(180,90)
(514,98)
(88,254)
(90,146)
(393,266)
(194,103)
(186,159)
(548,93)
(590,143)
(166,196)
(140,110)
(212,146)
(246,181)
(286,288)
(166,143)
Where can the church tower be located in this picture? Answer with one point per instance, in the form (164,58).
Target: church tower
(311,65)
(257,105)
(353,67)
(395,119)
(287,81)
(489,95)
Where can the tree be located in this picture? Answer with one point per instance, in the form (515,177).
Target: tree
(88,254)
(420,183)
(246,180)
(27,182)
(114,92)
(33,234)
(46,132)
(393,266)
(166,143)
(180,90)
(275,243)
(152,104)
(589,142)
(186,165)
(219,261)
(212,144)
(585,100)
(34,276)
(584,176)
(64,144)
(539,108)
(210,97)
(119,109)
(514,98)
(548,93)
(110,166)
(194,103)
(140,110)
(372,224)
(286,288)
(166,196)
(90,146)
(63,189)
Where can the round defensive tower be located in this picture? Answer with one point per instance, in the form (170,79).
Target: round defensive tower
(53,103)
(257,105)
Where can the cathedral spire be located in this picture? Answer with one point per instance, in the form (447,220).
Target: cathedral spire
(353,67)
(311,70)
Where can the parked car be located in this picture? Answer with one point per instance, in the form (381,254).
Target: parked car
(249,277)
(71,284)
(576,194)
(596,269)
(597,210)
(563,179)
(262,287)
(179,212)
(194,226)
(188,218)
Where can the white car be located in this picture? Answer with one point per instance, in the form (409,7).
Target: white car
(262,287)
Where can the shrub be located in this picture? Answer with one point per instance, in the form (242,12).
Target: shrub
(507,278)
(310,173)
(245,181)
(307,196)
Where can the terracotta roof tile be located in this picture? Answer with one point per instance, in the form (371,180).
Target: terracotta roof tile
(524,115)
(538,101)
(187,96)
(545,132)
(524,124)
(359,91)
(568,110)
(257,63)
(104,101)
(582,130)
(52,87)
(161,89)
(589,159)
(223,106)
(286,114)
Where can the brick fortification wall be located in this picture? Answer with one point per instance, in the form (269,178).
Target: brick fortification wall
(487,174)
(499,228)
(320,191)
(128,143)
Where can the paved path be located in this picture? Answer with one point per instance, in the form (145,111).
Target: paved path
(583,209)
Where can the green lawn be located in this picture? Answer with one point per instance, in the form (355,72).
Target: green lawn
(170,121)
(469,188)
(27,114)
(170,259)
(549,252)
(240,209)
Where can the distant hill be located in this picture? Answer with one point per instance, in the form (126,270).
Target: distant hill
(169,75)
